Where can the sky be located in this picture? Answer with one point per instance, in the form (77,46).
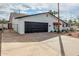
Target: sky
(67,10)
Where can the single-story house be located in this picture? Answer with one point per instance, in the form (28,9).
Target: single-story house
(4,26)
(42,22)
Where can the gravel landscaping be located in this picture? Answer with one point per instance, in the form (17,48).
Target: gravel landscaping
(73,34)
(11,36)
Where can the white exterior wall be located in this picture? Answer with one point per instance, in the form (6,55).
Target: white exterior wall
(15,25)
(65,27)
(61,26)
(5,26)
(37,18)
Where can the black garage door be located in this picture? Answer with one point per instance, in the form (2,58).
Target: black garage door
(31,27)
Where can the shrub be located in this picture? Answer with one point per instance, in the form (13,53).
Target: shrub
(71,29)
(69,34)
(51,31)
(54,30)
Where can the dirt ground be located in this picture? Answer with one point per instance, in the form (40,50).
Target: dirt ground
(11,36)
(73,34)
(38,44)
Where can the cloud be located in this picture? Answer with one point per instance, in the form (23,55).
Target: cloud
(41,6)
(29,8)
(67,10)
(7,8)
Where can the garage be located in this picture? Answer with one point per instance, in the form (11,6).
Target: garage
(41,22)
(31,27)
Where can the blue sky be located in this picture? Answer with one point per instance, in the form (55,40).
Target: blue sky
(67,10)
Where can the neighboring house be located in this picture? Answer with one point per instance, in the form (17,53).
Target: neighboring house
(42,22)
(65,26)
(4,26)
(12,16)
(74,27)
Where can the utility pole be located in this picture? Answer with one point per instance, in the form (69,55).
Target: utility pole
(58,18)
(60,39)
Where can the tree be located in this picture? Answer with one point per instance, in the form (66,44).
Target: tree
(75,22)
(65,20)
(0,21)
(4,21)
(78,22)
(53,12)
(70,21)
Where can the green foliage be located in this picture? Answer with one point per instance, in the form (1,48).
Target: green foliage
(74,22)
(4,21)
(70,22)
(53,12)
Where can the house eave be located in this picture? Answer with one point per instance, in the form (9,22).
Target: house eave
(40,14)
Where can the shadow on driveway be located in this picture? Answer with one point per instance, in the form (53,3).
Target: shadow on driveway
(61,46)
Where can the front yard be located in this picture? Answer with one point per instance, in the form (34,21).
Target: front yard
(41,44)
(11,36)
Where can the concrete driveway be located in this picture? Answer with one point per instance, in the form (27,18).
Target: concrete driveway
(39,44)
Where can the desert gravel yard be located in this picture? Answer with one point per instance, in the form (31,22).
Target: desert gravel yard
(38,44)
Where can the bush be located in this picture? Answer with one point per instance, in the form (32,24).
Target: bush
(54,30)
(62,30)
(69,34)
(51,31)
(71,29)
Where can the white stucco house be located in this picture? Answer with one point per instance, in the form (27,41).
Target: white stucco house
(42,22)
